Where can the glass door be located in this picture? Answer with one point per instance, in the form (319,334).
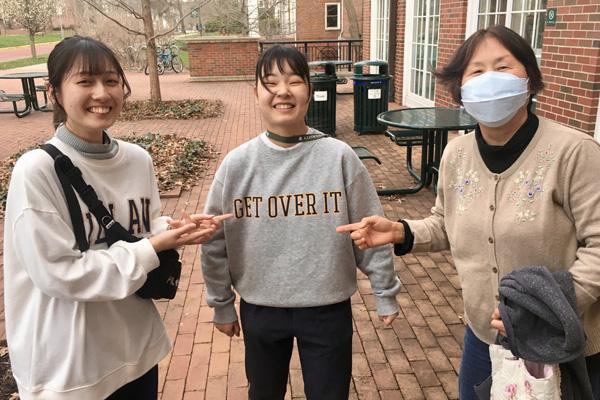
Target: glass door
(380,29)
(421,50)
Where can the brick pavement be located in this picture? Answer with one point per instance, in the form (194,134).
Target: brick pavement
(416,358)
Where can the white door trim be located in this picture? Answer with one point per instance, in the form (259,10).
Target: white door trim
(472,11)
(372,44)
(408,34)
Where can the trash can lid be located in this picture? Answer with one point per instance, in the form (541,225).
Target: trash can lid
(383,66)
(329,66)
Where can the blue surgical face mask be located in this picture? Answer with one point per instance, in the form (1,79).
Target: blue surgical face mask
(494,98)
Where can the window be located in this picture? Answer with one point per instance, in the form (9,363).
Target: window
(526,17)
(332,16)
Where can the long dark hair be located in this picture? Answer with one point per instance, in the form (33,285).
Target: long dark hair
(451,75)
(279,55)
(94,58)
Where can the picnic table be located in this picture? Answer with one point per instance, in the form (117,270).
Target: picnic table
(427,128)
(29,94)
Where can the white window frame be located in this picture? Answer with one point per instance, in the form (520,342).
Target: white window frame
(338,26)
(473,17)
(409,98)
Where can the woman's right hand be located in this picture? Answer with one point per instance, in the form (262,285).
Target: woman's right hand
(194,229)
(374,231)
(186,234)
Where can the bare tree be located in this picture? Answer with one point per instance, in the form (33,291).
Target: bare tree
(33,15)
(145,16)
(351,11)
(245,16)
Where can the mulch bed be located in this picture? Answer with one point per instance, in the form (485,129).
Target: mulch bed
(8,387)
(135,110)
(178,162)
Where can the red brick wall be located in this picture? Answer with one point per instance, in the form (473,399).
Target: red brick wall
(571,65)
(366,29)
(453,23)
(224,58)
(310,19)
(398,79)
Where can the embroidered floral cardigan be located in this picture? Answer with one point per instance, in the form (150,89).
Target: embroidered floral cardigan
(542,211)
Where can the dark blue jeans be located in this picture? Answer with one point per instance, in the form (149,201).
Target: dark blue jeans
(475,366)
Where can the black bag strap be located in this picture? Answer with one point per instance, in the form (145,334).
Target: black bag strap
(72,203)
(70,177)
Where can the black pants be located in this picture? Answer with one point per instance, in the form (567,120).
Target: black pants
(143,388)
(324,337)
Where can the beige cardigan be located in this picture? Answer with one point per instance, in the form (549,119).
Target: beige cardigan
(542,211)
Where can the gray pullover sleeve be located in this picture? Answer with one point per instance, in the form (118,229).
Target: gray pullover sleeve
(215,267)
(376,263)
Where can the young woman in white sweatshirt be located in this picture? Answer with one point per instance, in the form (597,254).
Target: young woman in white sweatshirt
(75,327)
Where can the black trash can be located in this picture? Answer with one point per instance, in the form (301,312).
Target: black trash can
(371,93)
(321,109)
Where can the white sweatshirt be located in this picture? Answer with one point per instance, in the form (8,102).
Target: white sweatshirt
(75,328)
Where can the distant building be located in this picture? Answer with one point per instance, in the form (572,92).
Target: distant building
(329,19)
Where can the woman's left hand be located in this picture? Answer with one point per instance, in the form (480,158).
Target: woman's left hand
(497,323)
(388,319)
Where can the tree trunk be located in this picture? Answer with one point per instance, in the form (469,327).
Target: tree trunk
(180,7)
(32,44)
(351,11)
(151,52)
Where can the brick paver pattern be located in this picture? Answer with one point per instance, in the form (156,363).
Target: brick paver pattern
(416,358)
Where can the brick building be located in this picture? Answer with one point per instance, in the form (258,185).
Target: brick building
(329,19)
(415,35)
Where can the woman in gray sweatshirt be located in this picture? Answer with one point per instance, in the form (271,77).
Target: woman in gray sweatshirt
(288,189)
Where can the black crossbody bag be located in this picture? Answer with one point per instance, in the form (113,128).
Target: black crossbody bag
(162,282)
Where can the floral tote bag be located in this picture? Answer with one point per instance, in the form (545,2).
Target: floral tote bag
(517,379)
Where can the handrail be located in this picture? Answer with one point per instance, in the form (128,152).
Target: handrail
(324,50)
(310,41)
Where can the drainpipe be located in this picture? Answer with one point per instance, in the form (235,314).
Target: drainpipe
(341,35)
(392,45)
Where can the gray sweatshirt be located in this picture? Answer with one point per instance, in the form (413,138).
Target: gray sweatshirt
(281,248)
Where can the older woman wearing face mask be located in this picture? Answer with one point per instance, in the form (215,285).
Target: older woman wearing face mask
(519,191)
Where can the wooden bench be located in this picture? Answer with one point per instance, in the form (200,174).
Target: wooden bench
(14,98)
(365,154)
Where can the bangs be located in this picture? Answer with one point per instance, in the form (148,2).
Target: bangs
(93,62)
(280,56)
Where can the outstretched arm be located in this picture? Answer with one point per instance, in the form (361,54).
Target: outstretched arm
(374,231)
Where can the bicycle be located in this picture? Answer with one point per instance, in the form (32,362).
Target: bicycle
(167,57)
(135,56)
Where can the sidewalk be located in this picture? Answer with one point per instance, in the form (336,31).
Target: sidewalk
(417,358)
(18,52)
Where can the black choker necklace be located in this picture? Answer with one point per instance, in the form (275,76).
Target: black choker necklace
(295,139)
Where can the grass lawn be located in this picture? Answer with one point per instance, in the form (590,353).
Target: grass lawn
(23,62)
(22,40)
(183,54)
